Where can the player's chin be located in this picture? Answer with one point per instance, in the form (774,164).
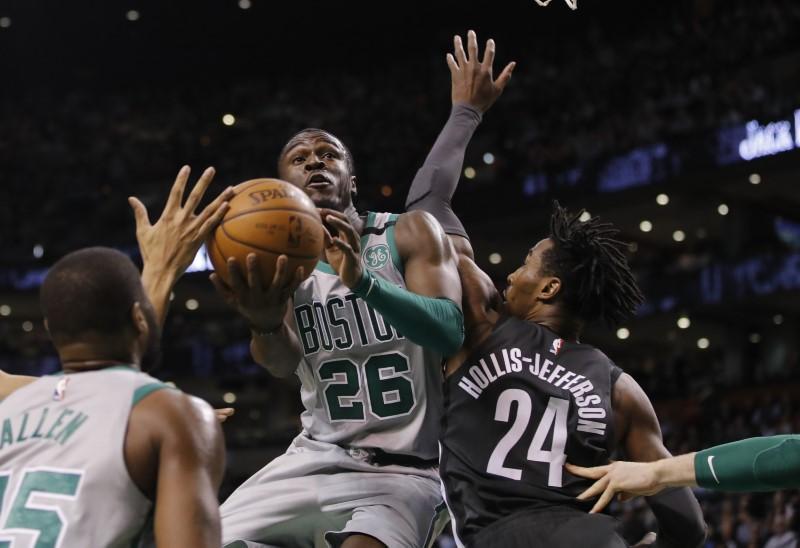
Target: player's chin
(326,201)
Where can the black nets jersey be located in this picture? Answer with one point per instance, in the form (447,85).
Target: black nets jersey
(523,403)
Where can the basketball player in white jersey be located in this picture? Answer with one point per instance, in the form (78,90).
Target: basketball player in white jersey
(101,454)
(365,334)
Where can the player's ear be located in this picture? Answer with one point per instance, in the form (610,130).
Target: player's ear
(353,187)
(550,288)
(139,320)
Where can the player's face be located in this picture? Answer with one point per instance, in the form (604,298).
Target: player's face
(317,163)
(526,284)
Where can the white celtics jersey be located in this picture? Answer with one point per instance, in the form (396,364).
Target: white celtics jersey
(363,383)
(63,479)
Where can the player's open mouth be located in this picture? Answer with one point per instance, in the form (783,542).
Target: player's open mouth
(318,180)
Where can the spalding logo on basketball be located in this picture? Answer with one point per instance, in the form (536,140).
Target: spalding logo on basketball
(376,256)
(268,217)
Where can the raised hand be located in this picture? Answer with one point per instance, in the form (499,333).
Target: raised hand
(262,304)
(343,252)
(169,246)
(472,80)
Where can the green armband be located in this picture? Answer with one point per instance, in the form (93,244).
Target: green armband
(435,323)
(755,464)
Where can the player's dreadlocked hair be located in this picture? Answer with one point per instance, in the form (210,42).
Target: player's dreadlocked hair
(596,279)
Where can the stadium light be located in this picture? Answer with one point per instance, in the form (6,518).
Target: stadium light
(192,304)
(5,310)
(27,326)
(5,22)
(245,4)
(229,119)
(684,322)
(132,15)
(488,158)
(38,251)
(703,343)
(469,172)
(495,258)
(229,397)
(755,179)
(645,226)
(722,209)
(662,199)
(679,235)
(585,216)
(623,333)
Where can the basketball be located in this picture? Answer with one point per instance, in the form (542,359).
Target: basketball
(270,218)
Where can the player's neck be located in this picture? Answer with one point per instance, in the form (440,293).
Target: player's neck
(81,356)
(564,325)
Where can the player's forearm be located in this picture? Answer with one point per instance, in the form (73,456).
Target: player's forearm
(158,284)
(436,181)
(676,471)
(278,352)
(435,323)
(755,464)
(680,519)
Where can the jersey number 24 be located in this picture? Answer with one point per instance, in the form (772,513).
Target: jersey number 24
(554,418)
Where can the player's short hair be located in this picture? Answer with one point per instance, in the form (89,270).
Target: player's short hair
(597,282)
(316,132)
(90,290)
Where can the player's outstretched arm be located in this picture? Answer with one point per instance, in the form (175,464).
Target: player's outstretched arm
(268,309)
(426,312)
(635,478)
(473,91)
(169,246)
(755,464)
(680,519)
(175,453)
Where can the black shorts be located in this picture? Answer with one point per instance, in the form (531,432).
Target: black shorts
(550,528)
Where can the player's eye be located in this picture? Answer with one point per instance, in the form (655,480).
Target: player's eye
(297,159)
(329,155)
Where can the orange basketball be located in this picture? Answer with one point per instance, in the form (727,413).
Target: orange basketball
(267,217)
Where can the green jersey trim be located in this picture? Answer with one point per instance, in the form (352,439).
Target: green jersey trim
(398,262)
(143,391)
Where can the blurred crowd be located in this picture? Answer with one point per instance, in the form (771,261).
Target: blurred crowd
(685,68)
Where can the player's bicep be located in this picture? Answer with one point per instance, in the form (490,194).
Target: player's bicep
(430,261)
(191,462)
(642,440)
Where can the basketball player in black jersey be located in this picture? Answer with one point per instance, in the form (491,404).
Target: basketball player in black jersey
(524,395)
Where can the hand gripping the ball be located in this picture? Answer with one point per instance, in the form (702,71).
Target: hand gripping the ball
(262,303)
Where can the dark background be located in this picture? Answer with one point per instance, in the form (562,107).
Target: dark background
(610,106)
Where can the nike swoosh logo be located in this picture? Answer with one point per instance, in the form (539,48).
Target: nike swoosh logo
(711,466)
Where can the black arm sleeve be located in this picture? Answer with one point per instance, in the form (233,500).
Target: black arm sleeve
(680,520)
(437,179)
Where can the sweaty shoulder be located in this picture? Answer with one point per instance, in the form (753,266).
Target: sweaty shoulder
(166,417)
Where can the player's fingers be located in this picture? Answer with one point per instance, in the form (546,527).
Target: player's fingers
(238,282)
(591,473)
(199,189)
(595,489)
(472,47)
(346,248)
(458,47)
(488,55)
(281,277)
(222,288)
(451,63)
(139,213)
(213,221)
(297,279)
(605,498)
(225,196)
(505,76)
(223,413)
(178,188)
(346,231)
(253,274)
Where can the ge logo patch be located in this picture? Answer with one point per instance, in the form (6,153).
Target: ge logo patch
(376,256)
